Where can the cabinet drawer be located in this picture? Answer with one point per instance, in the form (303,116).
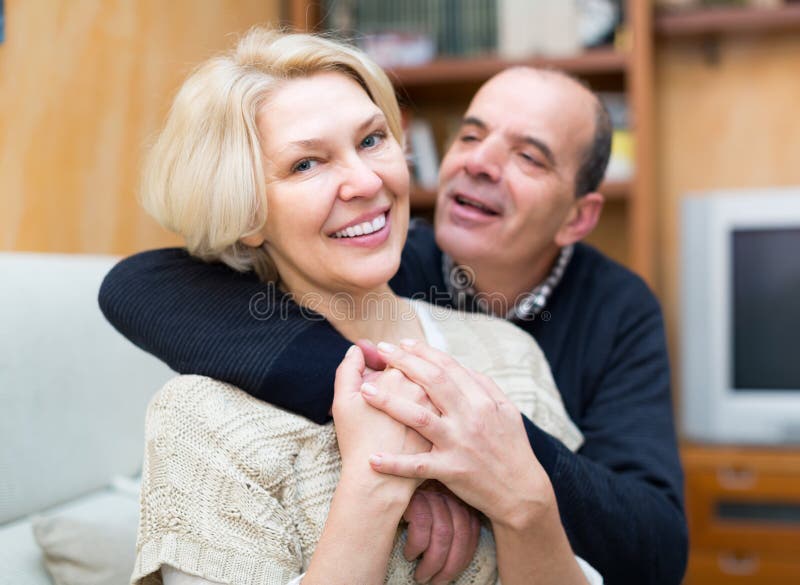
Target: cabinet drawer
(724,567)
(735,508)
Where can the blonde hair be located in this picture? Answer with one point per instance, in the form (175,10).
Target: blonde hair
(203,178)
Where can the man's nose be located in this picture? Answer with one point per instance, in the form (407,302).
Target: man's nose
(485,160)
(359,180)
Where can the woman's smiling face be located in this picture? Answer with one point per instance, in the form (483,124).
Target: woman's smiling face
(337,187)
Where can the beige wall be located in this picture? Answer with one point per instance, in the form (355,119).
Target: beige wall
(83,84)
(732,123)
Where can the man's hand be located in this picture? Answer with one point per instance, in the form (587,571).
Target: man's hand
(444,530)
(477,437)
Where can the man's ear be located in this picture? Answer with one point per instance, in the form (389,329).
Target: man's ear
(581,219)
(253,240)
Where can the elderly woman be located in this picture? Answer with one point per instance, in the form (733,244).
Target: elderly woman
(285,157)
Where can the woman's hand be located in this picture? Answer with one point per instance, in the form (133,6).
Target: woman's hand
(361,429)
(441,528)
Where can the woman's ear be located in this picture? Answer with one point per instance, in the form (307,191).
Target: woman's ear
(253,240)
(582,219)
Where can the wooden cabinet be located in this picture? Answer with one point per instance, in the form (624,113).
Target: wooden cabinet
(743,507)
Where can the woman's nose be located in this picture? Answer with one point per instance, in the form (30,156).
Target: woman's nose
(484,161)
(360,180)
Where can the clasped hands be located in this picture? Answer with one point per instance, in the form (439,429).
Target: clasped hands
(449,424)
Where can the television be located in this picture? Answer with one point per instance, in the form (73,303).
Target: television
(740,317)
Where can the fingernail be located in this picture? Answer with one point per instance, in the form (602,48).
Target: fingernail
(375,460)
(369,389)
(386,347)
(408,342)
(350,350)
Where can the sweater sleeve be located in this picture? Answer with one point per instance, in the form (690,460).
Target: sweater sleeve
(620,497)
(217,469)
(210,320)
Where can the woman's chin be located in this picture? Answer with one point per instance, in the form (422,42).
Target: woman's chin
(371,276)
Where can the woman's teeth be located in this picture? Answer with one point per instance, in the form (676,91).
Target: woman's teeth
(362,229)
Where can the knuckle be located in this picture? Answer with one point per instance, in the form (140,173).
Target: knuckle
(422,419)
(438,376)
(483,378)
(420,468)
(393,375)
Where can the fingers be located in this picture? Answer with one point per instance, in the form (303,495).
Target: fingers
(350,371)
(415,416)
(441,537)
(440,379)
(462,548)
(415,466)
(373,359)
(420,519)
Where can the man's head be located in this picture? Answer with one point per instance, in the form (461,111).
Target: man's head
(520,180)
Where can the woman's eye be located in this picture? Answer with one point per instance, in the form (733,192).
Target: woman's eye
(304,165)
(372,140)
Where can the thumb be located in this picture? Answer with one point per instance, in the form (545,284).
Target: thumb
(350,372)
(371,356)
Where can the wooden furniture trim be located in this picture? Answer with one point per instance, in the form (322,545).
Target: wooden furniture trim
(479,69)
(642,234)
(728,20)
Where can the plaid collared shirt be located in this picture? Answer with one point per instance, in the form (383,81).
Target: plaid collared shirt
(460,282)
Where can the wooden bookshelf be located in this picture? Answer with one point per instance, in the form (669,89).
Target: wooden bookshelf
(479,69)
(723,20)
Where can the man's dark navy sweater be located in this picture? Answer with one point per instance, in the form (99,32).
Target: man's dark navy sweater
(620,496)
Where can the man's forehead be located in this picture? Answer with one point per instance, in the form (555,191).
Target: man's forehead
(526,91)
(527,101)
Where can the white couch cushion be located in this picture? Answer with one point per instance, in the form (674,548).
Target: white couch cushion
(21,559)
(73,391)
(90,542)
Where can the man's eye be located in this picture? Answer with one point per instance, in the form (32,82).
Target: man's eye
(373,140)
(304,165)
(530,159)
(468,138)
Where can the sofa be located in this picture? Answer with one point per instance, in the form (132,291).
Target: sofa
(73,395)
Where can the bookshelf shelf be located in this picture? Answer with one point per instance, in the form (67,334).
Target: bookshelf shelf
(478,69)
(728,20)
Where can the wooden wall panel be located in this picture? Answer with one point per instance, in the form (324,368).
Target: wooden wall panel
(83,84)
(725,124)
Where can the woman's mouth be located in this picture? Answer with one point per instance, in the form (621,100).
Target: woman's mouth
(362,229)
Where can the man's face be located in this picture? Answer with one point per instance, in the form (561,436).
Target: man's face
(507,183)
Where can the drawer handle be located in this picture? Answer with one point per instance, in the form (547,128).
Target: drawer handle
(736,478)
(738,564)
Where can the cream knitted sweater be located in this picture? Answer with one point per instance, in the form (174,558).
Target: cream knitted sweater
(237,491)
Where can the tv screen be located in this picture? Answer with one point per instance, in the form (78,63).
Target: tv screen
(766,309)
